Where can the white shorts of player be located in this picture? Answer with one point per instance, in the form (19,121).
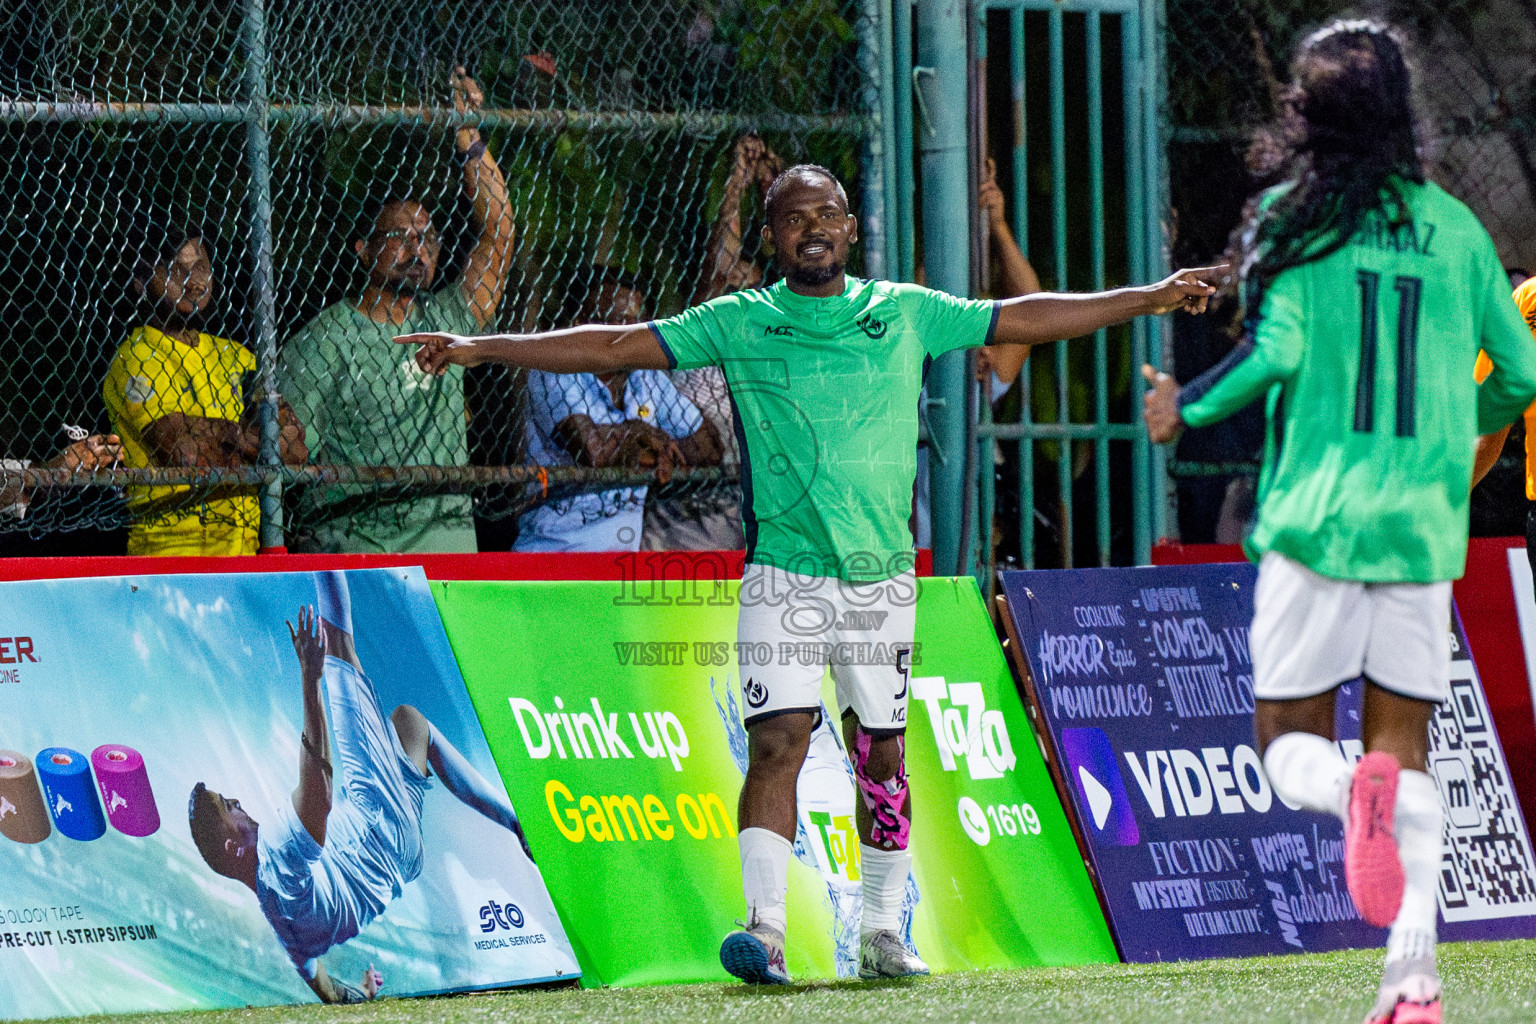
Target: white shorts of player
(791,627)
(1312,632)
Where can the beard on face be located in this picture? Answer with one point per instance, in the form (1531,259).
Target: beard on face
(401,282)
(813,277)
(172,317)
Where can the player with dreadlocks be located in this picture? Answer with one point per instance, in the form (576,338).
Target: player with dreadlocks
(1366,293)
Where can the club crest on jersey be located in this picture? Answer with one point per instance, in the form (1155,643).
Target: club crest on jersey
(870,326)
(756,693)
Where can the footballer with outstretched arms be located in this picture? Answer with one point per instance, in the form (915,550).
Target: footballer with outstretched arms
(824,371)
(1367,293)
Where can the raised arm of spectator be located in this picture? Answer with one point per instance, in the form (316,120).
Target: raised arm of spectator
(488,263)
(1018,277)
(725,268)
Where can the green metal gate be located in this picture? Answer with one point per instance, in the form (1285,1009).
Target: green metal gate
(1055,102)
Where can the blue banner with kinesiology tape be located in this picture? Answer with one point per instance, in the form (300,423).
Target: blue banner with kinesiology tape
(1143,680)
(230,790)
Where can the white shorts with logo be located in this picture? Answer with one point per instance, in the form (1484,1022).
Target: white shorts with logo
(1312,632)
(791,627)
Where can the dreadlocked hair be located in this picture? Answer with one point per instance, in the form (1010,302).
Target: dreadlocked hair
(1344,143)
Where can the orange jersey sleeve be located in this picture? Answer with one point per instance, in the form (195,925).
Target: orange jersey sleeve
(1525,298)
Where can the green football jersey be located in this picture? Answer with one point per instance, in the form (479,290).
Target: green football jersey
(1366,357)
(825,394)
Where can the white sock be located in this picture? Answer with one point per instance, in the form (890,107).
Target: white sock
(1309,771)
(764,875)
(885,887)
(1420,835)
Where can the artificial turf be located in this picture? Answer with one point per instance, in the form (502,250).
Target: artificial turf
(1485,982)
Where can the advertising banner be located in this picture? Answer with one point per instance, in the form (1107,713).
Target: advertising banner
(615,718)
(211,798)
(1143,679)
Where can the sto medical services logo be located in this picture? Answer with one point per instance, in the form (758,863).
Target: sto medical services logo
(1092,768)
(500,915)
(756,692)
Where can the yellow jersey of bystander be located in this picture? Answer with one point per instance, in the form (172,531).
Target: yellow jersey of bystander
(153,375)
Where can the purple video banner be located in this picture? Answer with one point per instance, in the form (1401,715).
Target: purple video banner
(1143,679)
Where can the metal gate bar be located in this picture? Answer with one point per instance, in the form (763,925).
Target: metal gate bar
(1141,148)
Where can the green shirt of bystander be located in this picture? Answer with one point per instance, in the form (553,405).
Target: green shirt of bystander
(364,402)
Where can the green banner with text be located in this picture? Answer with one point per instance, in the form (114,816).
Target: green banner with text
(615,721)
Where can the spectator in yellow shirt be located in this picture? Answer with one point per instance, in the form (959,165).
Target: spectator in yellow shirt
(177,398)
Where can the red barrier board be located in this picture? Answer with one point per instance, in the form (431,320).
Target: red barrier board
(486,565)
(1486,599)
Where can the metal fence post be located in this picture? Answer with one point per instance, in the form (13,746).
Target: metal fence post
(264,306)
(874,63)
(942,145)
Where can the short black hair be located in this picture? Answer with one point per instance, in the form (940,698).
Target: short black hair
(201,820)
(375,205)
(155,237)
(591,278)
(799,172)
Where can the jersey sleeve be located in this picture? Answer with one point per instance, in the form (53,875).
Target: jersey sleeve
(700,335)
(1271,356)
(1510,385)
(946,322)
(140,388)
(286,852)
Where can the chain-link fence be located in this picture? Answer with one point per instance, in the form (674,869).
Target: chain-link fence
(209,204)
(1477,101)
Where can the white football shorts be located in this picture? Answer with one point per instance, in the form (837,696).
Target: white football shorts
(791,627)
(1312,632)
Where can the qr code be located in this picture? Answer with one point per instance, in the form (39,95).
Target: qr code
(1488,870)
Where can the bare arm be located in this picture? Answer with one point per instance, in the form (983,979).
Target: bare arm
(180,441)
(312,796)
(725,270)
(1489,448)
(631,444)
(290,437)
(1047,316)
(703,447)
(487,265)
(1018,278)
(591,348)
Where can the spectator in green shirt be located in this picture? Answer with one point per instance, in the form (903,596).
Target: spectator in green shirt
(363,400)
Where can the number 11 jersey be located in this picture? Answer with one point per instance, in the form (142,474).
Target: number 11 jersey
(1366,359)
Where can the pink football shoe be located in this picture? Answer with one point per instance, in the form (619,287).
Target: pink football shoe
(1371,865)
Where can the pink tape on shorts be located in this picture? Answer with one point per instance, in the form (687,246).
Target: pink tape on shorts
(885,800)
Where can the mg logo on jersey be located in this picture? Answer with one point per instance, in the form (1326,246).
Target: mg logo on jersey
(965,728)
(755,692)
(870,326)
